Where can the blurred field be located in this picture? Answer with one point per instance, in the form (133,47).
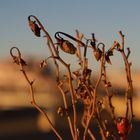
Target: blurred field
(18,118)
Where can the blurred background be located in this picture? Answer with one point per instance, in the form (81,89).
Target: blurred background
(18,119)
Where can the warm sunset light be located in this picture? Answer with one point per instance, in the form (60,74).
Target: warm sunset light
(69,70)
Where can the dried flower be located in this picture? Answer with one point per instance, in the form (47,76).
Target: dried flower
(34,27)
(98,54)
(68,47)
(43,63)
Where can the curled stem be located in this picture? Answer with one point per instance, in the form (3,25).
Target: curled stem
(33,101)
(49,42)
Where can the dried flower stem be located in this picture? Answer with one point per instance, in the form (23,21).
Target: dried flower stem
(66,109)
(30,83)
(67,66)
(73,102)
(33,102)
(79,84)
(94,96)
(89,131)
(46,33)
(101,124)
(129,91)
(109,96)
(79,37)
(50,44)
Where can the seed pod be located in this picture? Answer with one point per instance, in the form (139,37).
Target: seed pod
(98,54)
(68,47)
(34,27)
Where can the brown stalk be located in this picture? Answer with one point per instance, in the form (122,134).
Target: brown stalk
(71,88)
(33,101)
(109,96)
(89,131)
(79,37)
(129,91)
(66,109)
(94,96)
(49,42)
(84,90)
(101,125)
(46,33)
(73,102)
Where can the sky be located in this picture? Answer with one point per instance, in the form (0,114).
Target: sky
(102,17)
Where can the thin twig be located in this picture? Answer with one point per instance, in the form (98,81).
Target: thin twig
(66,109)
(129,91)
(94,97)
(73,99)
(33,101)
(89,131)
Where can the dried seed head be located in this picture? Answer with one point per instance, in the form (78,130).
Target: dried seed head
(98,54)
(34,27)
(68,47)
(43,63)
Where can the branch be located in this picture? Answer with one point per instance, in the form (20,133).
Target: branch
(30,83)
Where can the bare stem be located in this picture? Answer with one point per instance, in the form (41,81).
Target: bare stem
(33,102)
(129,91)
(73,102)
(109,96)
(71,88)
(94,98)
(89,131)
(66,109)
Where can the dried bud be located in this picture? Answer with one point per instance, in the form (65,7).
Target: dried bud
(43,63)
(60,111)
(98,54)
(19,61)
(68,47)
(34,27)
